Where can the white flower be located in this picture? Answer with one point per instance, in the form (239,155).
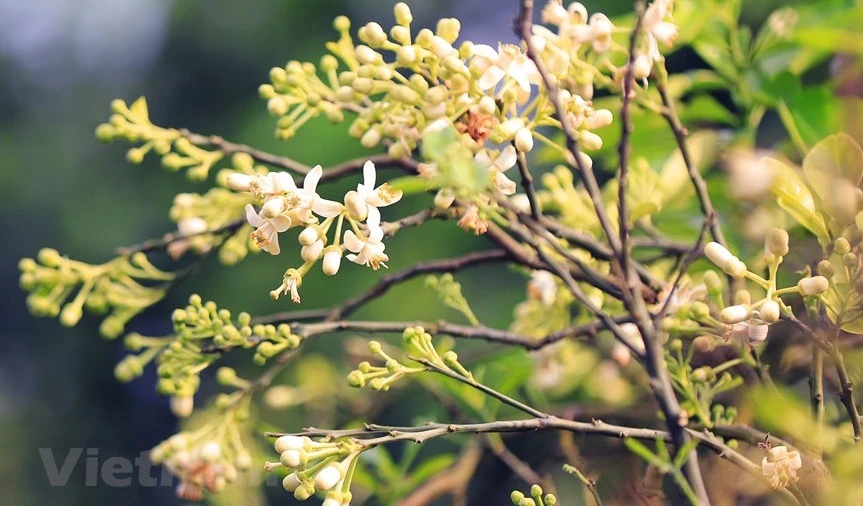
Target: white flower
(656,29)
(290,284)
(211,451)
(780,466)
(266,234)
(507,61)
(381,196)
(504,161)
(597,32)
(542,286)
(285,443)
(367,251)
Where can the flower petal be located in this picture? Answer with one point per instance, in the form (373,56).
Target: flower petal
(376,234)
(491,77)
(507,158)
(506,185)
(352,242)
(310,183)
(369,175)
(327,208)
(281,223)
(484,51)
(252,217)
(374,218)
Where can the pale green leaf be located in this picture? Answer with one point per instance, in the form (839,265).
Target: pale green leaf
(795,198)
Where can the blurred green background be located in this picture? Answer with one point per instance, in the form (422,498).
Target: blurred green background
(199,63)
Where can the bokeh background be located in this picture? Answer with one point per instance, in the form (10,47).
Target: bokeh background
(199,63)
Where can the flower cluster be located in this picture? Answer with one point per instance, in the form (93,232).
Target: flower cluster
(206,459)
(283,206)
(124,286)
(536,498)
(132,123)
(317,466)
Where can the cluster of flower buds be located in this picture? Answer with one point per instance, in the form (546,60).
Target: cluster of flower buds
(207,459)
(749,319)
(114,287)
(317,466)
(132,123)
(208,221)
(283,206)
(536,498)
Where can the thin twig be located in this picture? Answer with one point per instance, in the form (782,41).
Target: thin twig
(589,483)
(167,239)
(527,183)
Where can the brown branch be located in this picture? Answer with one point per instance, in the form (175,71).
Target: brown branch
(527,183)
(669,112)
(167,239)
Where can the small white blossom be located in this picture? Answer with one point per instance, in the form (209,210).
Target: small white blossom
(374,198)
(504,161)
(657,30)
(542,286)
(267,230)
(597,32)
(508,61)
(780,466)
(186,227)
(367,251)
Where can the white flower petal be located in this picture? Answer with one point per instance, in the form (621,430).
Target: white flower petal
(281,223)
(327,208)
(369,175)
(373,220)
(310,183)
(352,242)
(485,51)
(252,217)
(491,77)
(507,158)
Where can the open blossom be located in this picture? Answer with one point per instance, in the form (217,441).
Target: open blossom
(657,30)
(508,61)
(367,251)
(374,198)
(497,166)
(780,466)
(597,32)
(267,230)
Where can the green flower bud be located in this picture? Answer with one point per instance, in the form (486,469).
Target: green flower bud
(226,376)
(105,132)
(849,260)
(516,497)
(356,379)
(49,257)
(701,374)
(826,269)
(374,347)
(841,246)
(342,24)
(535,491)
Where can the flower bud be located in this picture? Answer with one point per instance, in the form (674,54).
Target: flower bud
(444,198)
(71,315)
(510,127)
(291,482)
(356,206)
(734,314)
(704,344)
(239,182)
(849,260)
(332,261)
(815,285)
(308,236)
(713,283)
(211,451)
(285,443)
(291,458)
(524,140)
(841,246)
(371,138)
(406,55)
(328,477)
(621,355)
(590,141)
(273,207)
(826,269)
(719,255)
(776,242)
(641,67)
(736,269)
(742,296)
(602,118)
(182,405)
(313,252)
(770,311)
(403,14)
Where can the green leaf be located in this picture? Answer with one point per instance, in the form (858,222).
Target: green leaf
(705,108)
(409,185)
(638,448)
(809,115)
(833,169)
(674,176)
(795,198)
(429,468)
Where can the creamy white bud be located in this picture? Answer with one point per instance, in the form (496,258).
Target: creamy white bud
(291,458)
(286,443)
(308,236)
(313,252)
(273,207)
(776,242)
(487,105)
(366,55)
(719,255)
(211,451)
(356,206)
(239,182)
(736,269)
(816,285)
(182,405)
(602,118)
(291,482)
(510,127)
(330,501)
(734,314)
(243,461)
(332,261)
(641,67)
(590,140)
(770,311)
(328,477)
(441,48)
(444,198)
(524,140)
